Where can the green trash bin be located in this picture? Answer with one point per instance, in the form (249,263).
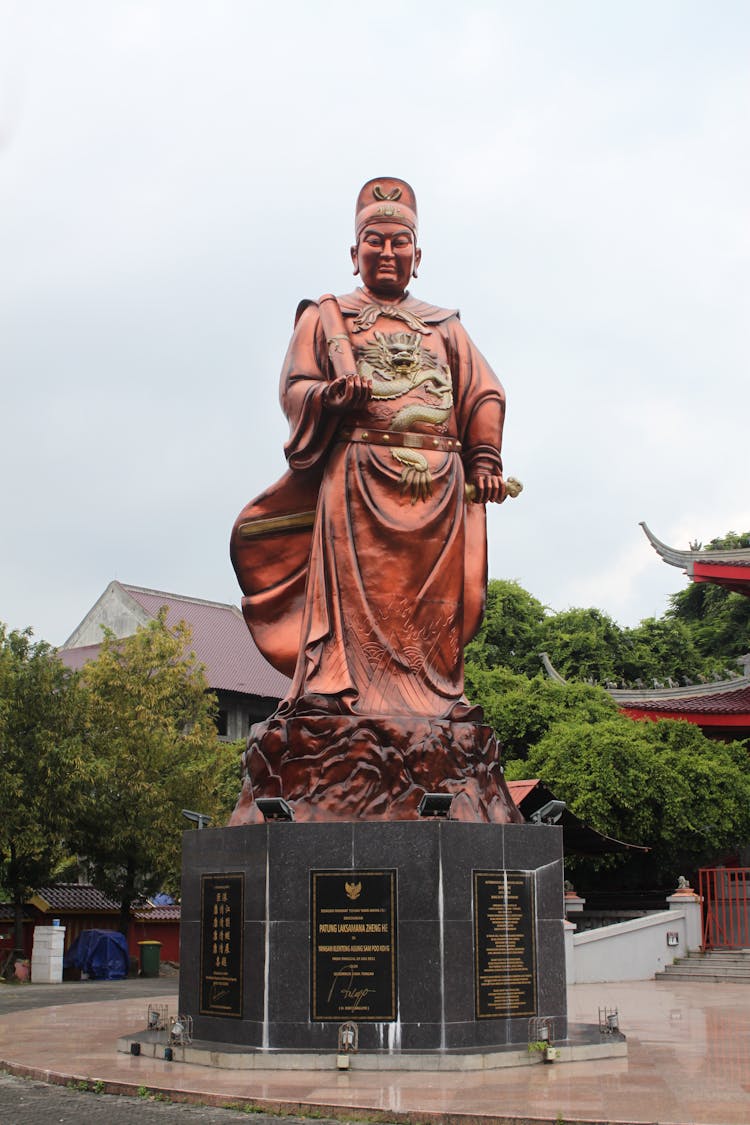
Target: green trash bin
(150,952)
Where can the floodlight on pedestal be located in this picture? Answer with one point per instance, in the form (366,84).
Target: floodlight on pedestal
(275,808)
(549,813)
(201,819)
(436,804)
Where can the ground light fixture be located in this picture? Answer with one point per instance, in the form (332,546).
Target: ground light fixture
(348,1043)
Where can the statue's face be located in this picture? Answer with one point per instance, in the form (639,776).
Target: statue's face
(386,257)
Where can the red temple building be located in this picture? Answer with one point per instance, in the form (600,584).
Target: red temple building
(720,708)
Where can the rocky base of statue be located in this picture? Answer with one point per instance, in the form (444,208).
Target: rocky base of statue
(349,767)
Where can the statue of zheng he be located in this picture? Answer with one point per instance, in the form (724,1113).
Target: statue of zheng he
(364,568)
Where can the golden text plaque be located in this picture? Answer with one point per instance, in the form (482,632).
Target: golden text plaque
(353,945)
(504,944)
(221,944)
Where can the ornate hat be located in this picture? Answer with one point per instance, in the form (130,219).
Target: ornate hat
(386,199)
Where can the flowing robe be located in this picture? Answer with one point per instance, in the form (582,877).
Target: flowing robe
(392,591)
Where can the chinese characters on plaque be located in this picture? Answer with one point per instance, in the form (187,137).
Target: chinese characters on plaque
(221,944)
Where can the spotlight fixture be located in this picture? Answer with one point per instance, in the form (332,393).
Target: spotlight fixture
(275,808)
(436,804)
(549,813)
(200,818)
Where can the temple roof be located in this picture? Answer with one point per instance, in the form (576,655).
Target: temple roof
(726,567)
(724,703)
(579,838)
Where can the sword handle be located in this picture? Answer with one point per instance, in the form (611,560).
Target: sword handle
(513,488)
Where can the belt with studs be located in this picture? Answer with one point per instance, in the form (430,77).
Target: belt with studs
(397,438)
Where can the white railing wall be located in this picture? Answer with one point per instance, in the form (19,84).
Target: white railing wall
(637,949)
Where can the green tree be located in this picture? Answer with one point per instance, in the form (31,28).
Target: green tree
(151,725)
(584,644)
(717,618)
(522,709)
(511,629)
(45,763)
(664,785)
(660,648)
(225,781)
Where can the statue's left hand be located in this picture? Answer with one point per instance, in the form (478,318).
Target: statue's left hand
(489,488)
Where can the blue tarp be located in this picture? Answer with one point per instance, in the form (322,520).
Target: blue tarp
(101,954)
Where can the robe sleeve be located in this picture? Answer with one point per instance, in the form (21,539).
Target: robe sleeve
(480,404)
(304,379)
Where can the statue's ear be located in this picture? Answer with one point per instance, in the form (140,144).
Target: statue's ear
(355,259)
(417,260)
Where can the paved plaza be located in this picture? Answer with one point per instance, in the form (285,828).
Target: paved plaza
(688,1064)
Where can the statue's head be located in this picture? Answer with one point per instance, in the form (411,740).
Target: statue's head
(385,224)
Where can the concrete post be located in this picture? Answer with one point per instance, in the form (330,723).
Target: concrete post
(47,955)
(569,929)
(686,900)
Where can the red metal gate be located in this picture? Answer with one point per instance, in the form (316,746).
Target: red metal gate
(724,895)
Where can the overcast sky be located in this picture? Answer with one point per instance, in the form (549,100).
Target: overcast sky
(176,176)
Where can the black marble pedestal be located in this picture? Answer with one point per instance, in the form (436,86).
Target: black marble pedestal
(476,913)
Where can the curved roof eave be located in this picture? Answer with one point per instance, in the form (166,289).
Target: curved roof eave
(685,560)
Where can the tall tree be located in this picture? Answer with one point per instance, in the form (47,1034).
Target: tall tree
(511,629)
(522,709)
(661,784)
(45,764)
(152,728)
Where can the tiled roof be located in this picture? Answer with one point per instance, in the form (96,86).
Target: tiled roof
(75,658)
(220,638)
(75,897)
(734,556)
(157,913)
(579,838)
(728,567)
(724,697)
(728,702)
(520,789)
(222,641)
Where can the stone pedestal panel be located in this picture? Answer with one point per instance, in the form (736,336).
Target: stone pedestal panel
(348,940)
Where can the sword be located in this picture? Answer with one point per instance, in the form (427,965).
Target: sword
(299,521)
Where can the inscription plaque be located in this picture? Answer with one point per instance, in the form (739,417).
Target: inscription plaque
(221,944)
(504,944)
(353,945)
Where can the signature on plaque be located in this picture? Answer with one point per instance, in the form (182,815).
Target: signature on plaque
(342,985)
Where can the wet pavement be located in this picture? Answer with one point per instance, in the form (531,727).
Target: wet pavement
(688,1064)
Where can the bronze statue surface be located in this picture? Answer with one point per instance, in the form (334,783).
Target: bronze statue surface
(364,568)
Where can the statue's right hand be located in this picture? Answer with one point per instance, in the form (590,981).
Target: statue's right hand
(348,392)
